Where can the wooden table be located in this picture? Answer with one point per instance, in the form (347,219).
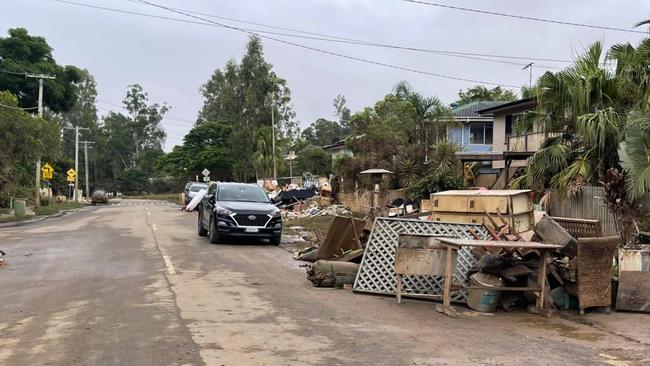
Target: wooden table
(454,244)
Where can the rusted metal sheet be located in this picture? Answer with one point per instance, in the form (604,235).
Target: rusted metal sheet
(634,291)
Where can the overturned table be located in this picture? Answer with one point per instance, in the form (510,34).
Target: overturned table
(452,246)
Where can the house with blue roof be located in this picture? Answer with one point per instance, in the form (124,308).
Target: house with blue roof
(472,131)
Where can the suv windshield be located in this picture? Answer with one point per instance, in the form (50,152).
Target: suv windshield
(198,187)
(242,193)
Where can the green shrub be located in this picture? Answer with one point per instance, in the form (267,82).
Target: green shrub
(437,180)
(162,185)
(133,182)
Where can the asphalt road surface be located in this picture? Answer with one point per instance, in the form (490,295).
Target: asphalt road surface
(133,284)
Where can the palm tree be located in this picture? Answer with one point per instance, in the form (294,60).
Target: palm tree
(428,110)
(634,152)
(263,156)
(644,22)
(582,102)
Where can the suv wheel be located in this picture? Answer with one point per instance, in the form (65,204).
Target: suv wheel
(275,240)
(201,230)
(214,234)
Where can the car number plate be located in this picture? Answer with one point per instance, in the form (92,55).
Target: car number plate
(251,230)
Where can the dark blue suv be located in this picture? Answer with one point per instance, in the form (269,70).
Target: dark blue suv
(238,210)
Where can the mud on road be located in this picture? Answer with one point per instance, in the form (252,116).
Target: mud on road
(133,284)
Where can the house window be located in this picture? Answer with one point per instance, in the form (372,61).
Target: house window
(480,133)
(514,124)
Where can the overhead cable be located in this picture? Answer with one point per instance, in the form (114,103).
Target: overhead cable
(523,17)
(332,38)
(315,49)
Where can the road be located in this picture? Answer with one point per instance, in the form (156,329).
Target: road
(133,284)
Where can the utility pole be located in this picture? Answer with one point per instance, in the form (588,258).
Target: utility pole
(40,77)
(75,196)
(275,172)
(86,166)
(76,163)
(530,75)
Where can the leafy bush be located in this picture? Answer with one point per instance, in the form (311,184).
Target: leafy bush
(437,180)
(314,160)
(132,181)
(162,185)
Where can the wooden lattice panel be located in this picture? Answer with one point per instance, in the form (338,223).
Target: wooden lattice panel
(376,273)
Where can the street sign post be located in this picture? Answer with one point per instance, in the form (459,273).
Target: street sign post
(206,175)
(47,171)
(71,174)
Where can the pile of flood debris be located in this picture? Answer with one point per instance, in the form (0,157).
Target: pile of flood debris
(337,255)
(577,273)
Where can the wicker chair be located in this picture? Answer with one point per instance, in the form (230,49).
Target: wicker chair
(594,272)
(580,228)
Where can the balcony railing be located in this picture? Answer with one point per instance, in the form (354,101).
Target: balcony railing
(528,142)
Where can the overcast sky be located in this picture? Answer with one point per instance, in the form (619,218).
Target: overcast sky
(171,59)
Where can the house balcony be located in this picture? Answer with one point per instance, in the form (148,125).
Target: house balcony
(528,143)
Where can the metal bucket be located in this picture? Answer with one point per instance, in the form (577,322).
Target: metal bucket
(19,207)
(483,300)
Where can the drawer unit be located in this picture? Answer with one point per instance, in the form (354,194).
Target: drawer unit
(473,201)
(519,222)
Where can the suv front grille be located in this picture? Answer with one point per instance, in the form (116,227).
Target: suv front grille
(245,220)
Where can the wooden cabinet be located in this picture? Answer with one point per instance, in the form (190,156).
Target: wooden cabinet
(505,201)
(448,203)
(519,222)
(470,206)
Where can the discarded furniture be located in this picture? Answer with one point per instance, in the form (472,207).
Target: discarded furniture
(456,245)
(296,195)
(470,206)
(332,273)
(593,286)
(552,231)
(343,235)
(580,228)
(634,291)
(418,255)
(377,274)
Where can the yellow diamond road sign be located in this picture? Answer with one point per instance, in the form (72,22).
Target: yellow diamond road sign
(47,171)
(71,174)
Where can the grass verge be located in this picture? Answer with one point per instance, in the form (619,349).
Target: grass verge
(44,211)
(57,207)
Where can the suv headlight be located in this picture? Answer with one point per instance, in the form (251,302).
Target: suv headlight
(276,214)
(223,211)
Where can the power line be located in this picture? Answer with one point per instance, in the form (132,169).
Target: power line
(13,72)
(523,17)
(259,34)
(319,36)
(329,38)
(379,63)
(22,109)
(166,117)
